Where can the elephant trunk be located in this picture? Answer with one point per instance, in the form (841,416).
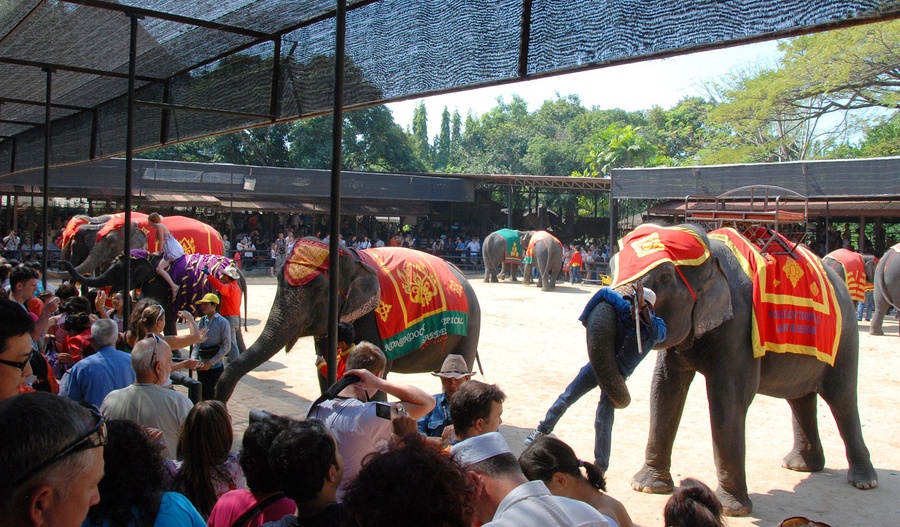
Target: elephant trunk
(602,325)
(92,262)
(274,337)
(109,278)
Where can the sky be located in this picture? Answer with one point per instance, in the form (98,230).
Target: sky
(636,86)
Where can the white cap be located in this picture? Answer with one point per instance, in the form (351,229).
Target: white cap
(649,296)
(476,449)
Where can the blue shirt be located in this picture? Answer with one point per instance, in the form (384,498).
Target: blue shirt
(434,422)
(175,510)
(627,355)
(219,336)
(92,378)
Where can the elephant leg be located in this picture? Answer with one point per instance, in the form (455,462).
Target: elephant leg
(526,274)
(807,454)
(729,400)
(668,392)
(841,398)
(513,269)
(881,307)
(490,275)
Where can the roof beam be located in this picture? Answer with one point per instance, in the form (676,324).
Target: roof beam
(75,69)
(170,106)
(22,22)
(150,13)
(4,100)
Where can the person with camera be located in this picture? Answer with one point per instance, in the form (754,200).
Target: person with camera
(211,353)
(362,426)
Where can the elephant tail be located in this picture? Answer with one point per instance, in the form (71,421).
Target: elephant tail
(478,360)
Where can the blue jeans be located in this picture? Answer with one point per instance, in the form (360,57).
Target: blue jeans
(865,307)
(585,381)
(575,274)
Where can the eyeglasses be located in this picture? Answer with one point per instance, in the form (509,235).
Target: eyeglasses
(19,365)
(800,521)
(95,438)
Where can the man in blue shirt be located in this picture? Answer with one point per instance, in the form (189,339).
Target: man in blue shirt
(93,377)
(437,423)
(212,352)
(628,356)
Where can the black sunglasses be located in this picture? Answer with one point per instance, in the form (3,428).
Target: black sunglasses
(20,365)
(96,437)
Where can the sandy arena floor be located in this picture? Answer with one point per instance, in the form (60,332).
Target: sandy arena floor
(532,345)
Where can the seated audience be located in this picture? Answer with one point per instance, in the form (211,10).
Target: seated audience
(309,467)
(52,460)
(505,497)
(15,347)
(359,426)
(437,423)
(550,460)
(476,409)
(207,468)
(131,491)
(263,500)
(426,488)
(693,504)
(146,402)
(92,378)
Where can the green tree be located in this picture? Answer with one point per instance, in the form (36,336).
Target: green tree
(619,146)
(420,133)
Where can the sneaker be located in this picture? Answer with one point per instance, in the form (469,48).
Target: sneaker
(532,436)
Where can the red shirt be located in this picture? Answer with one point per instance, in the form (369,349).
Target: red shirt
(576,259)
(231,296)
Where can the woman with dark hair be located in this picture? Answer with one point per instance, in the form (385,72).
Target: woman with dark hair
(149,318)
(208,467)
(131,491)
(409,485)
(263,500)
(552,461)
(693,505)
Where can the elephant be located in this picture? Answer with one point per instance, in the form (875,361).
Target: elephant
(185,271)
(853,268)
(502,249)
(544,252)
(707,305)
(302,310)
(887,288)
(92,243)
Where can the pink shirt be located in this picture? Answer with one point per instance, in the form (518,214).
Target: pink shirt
(236,502)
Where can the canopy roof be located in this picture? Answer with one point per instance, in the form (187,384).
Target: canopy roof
(205,67)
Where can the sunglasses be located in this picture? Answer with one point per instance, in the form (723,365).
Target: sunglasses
(95,438)
(800,521)
(19,365)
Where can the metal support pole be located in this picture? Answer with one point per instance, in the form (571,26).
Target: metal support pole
(509,210)
(46,193)
(337,129)
(129,162)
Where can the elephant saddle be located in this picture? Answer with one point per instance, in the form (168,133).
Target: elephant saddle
(187,273)
(193,235)
(421,300)
(854,272)
(538,237)
(795,308)
(513,246)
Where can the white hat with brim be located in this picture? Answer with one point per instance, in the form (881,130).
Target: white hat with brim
(477,449)
(231,271)
(454,367)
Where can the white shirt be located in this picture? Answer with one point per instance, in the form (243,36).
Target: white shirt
(152,406)
(358,432)
(531,504)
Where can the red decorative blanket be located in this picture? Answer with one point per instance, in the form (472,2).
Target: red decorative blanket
(308,260)
(795,308)
(421,300)
(648,246)
(194,236)
(538,237)
(854,272)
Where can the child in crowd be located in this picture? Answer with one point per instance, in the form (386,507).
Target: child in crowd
(169,248)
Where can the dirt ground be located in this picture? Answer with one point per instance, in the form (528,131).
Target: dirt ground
(532,345)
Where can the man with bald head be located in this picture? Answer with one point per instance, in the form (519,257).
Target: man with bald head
(146,402)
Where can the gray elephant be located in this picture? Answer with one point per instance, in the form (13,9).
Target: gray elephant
(887,288)
(300,308)
(186,271)
(92,243)
(706,301)
(856,270)
(504,249)
(543,252)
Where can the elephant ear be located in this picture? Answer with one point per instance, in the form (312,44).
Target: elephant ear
(713,307)
(363,292)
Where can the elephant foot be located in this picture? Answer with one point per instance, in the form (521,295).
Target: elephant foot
(652,481)
(734,505)
(875,331)
(494,280)
(805,461)
(863,477)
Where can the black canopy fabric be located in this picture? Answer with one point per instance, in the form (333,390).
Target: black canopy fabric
(211,66)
